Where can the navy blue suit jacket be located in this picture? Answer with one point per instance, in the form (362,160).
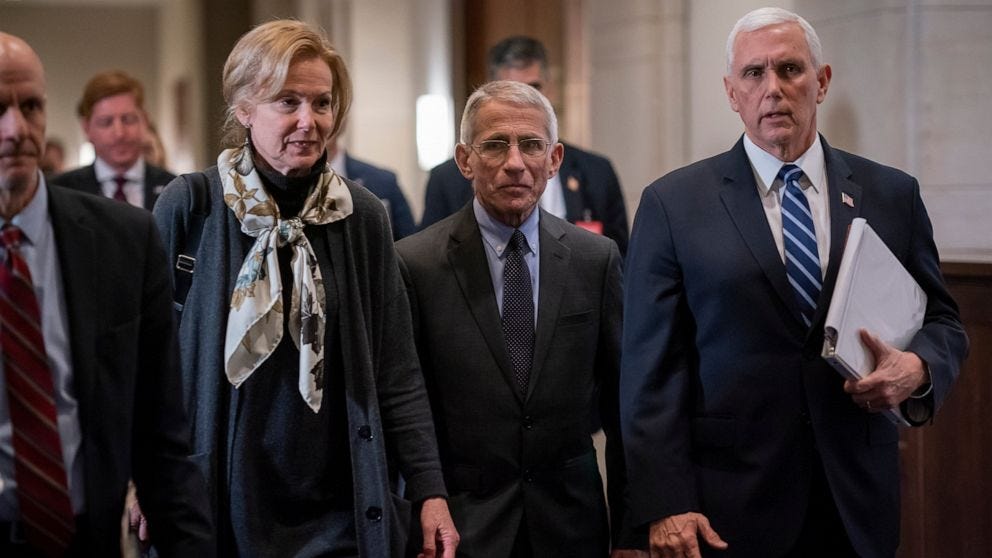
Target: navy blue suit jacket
(726,401)
(84,180)
(383,184)
(590,186)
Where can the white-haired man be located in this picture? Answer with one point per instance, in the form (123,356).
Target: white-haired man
(736,431)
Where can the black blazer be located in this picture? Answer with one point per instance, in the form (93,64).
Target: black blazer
(727,402)
(505,455)
(591,189)
(126,376)
(84,180)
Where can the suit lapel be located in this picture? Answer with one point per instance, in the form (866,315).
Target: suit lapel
(740,196)
(572,183)
(467,258)
(840,187)
(76,247)
(555,256)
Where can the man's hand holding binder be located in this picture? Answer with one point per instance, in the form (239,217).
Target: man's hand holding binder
(898,375)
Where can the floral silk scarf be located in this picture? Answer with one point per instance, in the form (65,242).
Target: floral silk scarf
(255,321)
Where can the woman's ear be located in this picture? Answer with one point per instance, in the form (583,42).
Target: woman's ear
(243,117)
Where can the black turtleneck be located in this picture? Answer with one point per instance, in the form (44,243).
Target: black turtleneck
(290,192)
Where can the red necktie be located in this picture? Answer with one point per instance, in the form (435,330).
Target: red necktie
(46,511)
(119,192)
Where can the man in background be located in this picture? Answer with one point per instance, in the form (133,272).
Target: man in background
(585,191)
(89,383)
(113,118)
(380,182)
(739,436)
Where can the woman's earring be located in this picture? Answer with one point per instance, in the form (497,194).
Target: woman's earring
(244,164)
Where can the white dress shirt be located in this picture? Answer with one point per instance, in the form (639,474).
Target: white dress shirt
(134,189)
(814,185)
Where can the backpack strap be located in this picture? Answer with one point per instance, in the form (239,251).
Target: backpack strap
(186,257)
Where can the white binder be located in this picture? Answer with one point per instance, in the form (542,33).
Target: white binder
(874,292)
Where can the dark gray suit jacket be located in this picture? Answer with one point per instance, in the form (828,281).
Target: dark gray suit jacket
(126,376)
(507,456)
(84,180)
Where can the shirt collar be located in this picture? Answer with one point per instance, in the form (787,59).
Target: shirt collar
(105,172)
(31,219)
(497,235)
(766,165)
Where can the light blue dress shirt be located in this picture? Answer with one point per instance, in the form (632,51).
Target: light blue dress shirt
(38,250)
(496,237)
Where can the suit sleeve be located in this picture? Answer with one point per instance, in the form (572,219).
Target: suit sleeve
(608,369)
(942,342)
(406,414)
(170,487)
(656,370)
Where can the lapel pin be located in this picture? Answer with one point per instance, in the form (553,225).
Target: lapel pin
(846,199)
(572,183)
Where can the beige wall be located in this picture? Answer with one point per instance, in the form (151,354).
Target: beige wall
(909,90)
(74,43)
(910,84)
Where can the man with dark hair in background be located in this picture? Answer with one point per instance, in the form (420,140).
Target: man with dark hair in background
(586,190)
(113,118)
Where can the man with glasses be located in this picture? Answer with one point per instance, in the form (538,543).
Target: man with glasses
(517,322)
(585,191)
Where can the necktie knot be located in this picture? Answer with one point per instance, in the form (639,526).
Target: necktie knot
(11,237)
(120,181)
(790,175)
(518,242)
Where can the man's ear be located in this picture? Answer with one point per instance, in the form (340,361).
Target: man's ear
(731,94)
(462,153)
(557,153)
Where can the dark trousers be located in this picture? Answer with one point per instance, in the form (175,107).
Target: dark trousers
(823,533)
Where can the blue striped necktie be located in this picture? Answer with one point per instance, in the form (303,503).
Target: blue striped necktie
(802,259)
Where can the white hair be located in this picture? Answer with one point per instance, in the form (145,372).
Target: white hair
(764,17)
(514,93)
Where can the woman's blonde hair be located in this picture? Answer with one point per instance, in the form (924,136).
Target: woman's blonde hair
(256,71)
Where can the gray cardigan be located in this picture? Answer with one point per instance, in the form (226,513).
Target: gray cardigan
(387,406)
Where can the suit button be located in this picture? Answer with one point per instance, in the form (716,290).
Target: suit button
(528,475)
(528,423)
(804,417)
(365,432)
(374,513)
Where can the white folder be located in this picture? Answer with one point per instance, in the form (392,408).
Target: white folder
(873,292)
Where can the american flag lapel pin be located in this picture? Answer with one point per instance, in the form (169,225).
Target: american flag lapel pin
(846,199)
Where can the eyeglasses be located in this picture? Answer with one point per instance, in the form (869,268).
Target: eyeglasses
(497,149)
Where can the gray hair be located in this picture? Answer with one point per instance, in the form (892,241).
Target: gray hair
(764,17)
(511,92)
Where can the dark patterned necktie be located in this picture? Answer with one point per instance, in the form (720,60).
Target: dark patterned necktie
(518,310)
(802,260)
(120,181)
(42,493)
